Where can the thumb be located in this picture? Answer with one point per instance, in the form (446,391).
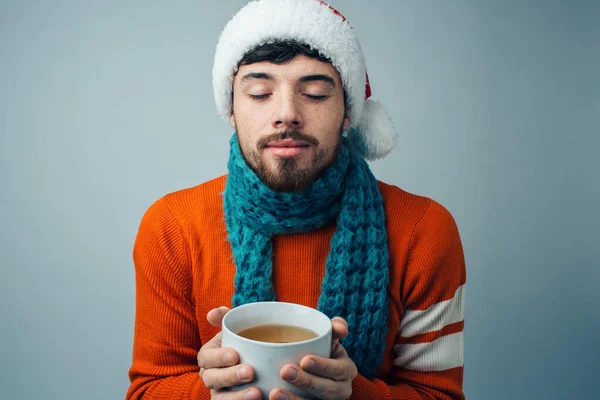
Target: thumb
(339,328)
(215,316)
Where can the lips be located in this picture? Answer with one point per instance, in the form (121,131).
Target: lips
(287,148)
(287,143)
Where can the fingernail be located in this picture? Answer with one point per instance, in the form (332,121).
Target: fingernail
(250,395)
(310,364)
(227,357)
(242,374)
(281,396)
(290,374)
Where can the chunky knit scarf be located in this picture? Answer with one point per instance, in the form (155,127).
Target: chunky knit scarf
(356,273)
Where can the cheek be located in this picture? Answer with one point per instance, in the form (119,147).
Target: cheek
(331,121)
(249,117)
(248,132)
(249,128)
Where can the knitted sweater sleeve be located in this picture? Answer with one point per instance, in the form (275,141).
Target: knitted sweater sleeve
(428,361)
(166,339)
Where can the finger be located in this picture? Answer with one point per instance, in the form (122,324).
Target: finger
(339,328)
(219,378)
(214,343)
(280,394)
(337,369)
(337,350)
(215,316)
(211,357)
(246,394)
(322,388)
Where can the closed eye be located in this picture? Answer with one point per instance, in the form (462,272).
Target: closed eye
(316,98)
(259,96)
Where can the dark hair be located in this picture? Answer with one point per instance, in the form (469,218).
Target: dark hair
(281,51)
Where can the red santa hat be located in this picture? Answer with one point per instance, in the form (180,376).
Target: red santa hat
(322,28)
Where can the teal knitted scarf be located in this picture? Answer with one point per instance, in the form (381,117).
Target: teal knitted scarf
(356,272)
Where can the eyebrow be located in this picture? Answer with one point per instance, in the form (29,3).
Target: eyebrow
(309,78)
(322,78)
(256,75)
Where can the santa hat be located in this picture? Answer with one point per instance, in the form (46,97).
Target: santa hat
(322,28)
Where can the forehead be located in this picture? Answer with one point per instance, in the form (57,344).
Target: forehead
(292,70)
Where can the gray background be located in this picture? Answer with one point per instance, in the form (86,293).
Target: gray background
(106,106)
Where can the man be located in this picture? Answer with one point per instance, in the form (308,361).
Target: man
(299,218)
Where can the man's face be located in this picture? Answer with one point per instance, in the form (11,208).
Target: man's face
(289,118)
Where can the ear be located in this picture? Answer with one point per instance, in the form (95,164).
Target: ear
(232,120)
(346,124)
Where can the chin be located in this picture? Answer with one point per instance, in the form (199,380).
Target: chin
(274,163)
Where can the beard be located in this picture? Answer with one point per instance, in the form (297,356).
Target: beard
(288,175)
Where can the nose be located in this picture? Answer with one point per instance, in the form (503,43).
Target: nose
(287,113)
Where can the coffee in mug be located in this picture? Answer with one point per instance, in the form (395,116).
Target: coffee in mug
(276,333)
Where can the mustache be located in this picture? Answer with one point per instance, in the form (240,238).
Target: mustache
(291,134)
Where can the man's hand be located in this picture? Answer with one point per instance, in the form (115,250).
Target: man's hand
(219,369)
(325,378)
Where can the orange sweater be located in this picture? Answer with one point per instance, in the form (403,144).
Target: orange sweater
(184,268)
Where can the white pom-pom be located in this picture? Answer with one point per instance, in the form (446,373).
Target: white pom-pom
(373,135)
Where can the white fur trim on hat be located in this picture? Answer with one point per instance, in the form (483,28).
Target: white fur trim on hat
(317,25)
(374,135)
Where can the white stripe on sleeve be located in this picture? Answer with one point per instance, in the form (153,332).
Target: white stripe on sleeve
(439,315)
(439,355)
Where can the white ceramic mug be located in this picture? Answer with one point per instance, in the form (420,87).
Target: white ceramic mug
(266,358)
